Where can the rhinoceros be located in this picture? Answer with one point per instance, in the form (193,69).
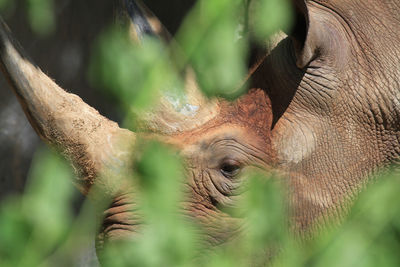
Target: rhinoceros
(322,108)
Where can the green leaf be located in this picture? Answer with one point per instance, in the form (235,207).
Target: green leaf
(33,225)
(41,16)
(135,75)
(209,37)
(271,16)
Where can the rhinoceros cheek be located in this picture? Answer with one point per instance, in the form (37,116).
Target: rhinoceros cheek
(121,221)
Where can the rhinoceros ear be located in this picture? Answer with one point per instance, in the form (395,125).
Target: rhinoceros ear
(303,34)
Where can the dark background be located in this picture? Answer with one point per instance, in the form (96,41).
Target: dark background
(64,55)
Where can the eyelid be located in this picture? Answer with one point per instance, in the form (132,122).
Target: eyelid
(232,163)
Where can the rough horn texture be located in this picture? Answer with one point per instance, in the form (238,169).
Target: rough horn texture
(174,111)
(89,140)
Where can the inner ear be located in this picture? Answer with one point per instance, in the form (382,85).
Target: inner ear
(303,38)
(301,24)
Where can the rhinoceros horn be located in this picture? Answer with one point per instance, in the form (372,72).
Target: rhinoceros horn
(174,111)
(143,22)
(92,142)
(96,146)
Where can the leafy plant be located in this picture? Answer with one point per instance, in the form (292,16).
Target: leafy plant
(39,228)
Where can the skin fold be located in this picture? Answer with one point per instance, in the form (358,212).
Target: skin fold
(322,109)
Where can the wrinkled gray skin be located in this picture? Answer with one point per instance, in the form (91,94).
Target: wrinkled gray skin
(323,109)
(342,118)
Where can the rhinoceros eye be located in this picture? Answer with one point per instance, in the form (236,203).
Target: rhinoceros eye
(230,168)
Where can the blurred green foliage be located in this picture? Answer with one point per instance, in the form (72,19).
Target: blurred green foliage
(134,74)
(167,238)
(7,7)
(39,229)
(31,226)
(40,14)
(4,4)
(210,42)
(270,16)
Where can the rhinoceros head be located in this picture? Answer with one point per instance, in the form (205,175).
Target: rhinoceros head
(321,109)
